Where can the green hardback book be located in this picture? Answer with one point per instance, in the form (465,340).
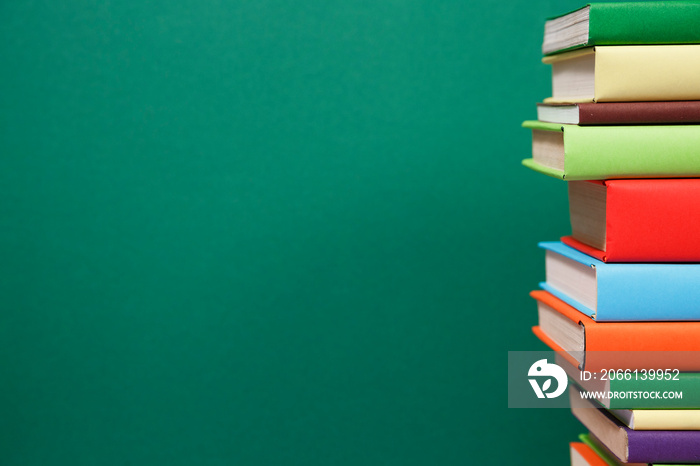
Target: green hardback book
(687,382)
(624,23)
(608,152)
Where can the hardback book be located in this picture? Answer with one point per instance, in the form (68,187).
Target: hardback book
(620,113)
(623,23)
(583,455)
(608,458)
(598,382)
(635,446)
(573,152)
(659,419)
(635,73)
(622,291)
(651,220)
(600,346)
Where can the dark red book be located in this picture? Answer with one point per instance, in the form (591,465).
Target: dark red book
(651,220)
(621,113)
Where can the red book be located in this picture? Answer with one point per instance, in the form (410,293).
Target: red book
(651,220)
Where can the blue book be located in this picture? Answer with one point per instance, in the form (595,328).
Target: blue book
(622,292)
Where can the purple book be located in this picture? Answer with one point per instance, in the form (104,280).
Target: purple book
(662,446)
(635,446)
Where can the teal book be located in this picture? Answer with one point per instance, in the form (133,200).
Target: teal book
(623,23)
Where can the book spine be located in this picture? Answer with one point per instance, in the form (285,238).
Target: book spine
(648,292)
(604,152)
(611,113)
(657,446)
(687,383)
(652,72)
(666,419)
(654,22)
(648,221)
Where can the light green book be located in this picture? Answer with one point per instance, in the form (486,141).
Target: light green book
(623,23)
(572,152)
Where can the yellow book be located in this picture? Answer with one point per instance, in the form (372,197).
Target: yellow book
(626,74)
(659,419)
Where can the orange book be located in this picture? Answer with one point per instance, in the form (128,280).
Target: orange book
(594,346)
(582,455)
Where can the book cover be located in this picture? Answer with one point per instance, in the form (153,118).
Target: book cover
(624,291)
(659,419)
(630,446)
(644,220)
(688,383)
(611,152)
(622,73)
(620,113)
(654,22)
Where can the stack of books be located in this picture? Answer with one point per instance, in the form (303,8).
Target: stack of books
(621,300)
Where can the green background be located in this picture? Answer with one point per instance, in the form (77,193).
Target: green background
(271,232)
